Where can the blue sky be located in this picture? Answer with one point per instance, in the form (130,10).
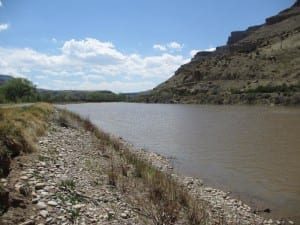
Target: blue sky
(118,45)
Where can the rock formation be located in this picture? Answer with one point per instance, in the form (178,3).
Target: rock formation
(260,65)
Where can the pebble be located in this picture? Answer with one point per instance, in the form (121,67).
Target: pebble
(28,222)
(35,200)
(39,186)
(52,203)
(44,213)
(78,206)
(41,205)
(24,178)
(124,215)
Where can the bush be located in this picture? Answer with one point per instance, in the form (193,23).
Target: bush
(276,88)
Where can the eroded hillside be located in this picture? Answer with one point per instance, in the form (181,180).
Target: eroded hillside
(259,65)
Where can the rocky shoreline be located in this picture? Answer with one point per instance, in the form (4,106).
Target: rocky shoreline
(221,202)
(68,181)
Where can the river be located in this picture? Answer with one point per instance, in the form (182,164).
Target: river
(252,151)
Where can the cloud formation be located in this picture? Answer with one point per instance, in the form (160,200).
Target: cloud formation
(4,26)
(175,45)
(171,46)
(0,3)
(89,64)
(160,47)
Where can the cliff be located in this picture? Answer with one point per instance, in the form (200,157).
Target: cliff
(260,65)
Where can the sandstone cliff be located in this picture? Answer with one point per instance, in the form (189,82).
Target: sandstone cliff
(258,65)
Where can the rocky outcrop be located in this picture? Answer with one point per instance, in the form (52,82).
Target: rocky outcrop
(284,14)
(236,36)
(202,56)
(242,71)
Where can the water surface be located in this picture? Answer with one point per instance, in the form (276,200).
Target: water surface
(253,151)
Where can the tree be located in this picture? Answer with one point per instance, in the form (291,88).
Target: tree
(19,89)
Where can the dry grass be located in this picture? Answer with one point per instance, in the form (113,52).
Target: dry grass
(19,129)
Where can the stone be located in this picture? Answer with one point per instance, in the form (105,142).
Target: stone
(17,186)
(124,215)
(39,186)
(49,219)
(24,178)
(28,222)
(44,213)
(52,203)
(78,206)
(35,200)
(25,190)
(44,193)
(41,205)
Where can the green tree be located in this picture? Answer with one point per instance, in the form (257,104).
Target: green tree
(19,89)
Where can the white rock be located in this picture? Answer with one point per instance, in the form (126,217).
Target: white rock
(3,180)
(44,193)
(52,203)
(41,205)
(124,215)
(78,206)
(24,178)
(27,222)
(44,213)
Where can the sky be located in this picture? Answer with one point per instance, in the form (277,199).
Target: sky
(117,45)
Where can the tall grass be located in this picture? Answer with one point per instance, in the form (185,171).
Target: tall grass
(19,129)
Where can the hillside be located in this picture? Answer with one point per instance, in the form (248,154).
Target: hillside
(260,65)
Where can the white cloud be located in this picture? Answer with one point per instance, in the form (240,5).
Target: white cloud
(90,64)
(210,49)
(194,52)
(171,46)
(0,3)
(174,45)
(4,26)
(160,47)
(92,49)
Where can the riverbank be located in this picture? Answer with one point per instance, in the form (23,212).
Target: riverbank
(80,175)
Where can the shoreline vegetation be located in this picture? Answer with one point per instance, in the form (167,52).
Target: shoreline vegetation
(40,180)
